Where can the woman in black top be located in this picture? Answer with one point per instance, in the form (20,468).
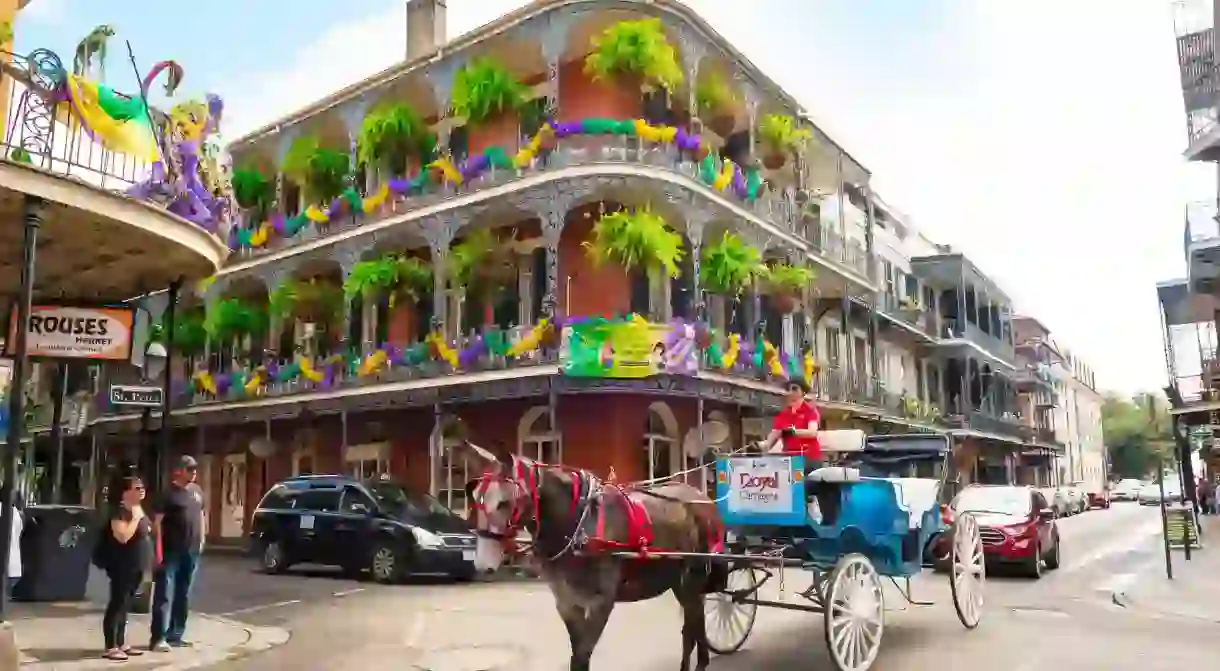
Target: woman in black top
(129,558)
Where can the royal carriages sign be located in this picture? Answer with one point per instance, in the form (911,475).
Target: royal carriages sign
(67,332)
(764,490)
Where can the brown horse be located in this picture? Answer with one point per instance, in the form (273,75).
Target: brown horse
(582,528)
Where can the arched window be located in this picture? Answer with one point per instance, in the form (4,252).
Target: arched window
(662,453)
(537,439)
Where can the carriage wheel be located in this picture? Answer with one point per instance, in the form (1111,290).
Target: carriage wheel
(967,571)
(854,612)
(728,621)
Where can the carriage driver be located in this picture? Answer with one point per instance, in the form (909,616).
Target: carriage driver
(796,428)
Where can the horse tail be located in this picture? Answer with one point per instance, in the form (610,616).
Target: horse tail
(171,85)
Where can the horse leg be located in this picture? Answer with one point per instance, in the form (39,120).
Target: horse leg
(597,615)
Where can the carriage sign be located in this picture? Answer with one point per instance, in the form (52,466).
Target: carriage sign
(759,485)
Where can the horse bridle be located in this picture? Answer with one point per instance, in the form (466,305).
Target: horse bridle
(585,490)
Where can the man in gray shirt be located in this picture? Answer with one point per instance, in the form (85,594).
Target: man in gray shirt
(179,524)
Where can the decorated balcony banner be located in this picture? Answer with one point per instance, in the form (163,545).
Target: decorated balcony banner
(625,348)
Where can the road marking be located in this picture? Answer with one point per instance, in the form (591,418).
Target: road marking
(255,609)
(348,592)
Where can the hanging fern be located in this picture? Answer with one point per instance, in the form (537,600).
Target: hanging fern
(785,278)
(730,266)
(313,301)
(781,132)
(633,238)
(322,172)
(484,88)
(233,318)
(389,135)
(635,48)
(480,263)
(253,192)
(190,335)
(714,96)
(392,274)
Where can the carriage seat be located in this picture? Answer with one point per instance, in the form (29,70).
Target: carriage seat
(916,496)
(834,474)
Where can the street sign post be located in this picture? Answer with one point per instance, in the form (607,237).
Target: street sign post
(142,397)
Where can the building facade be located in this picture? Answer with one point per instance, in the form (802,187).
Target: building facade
(386,300)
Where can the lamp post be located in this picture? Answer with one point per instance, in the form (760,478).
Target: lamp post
(155,360)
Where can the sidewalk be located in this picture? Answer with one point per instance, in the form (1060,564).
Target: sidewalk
(1194,592)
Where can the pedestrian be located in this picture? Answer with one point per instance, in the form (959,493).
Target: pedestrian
(127,558)
(13,569)
(179,525)
(1207,496)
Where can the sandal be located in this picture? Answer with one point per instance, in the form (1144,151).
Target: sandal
(115,655)
(132,652)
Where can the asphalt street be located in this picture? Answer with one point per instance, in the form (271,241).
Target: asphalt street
(1067,618)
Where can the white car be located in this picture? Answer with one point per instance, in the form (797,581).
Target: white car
(1078,501)
(1150,493)
(1126,490)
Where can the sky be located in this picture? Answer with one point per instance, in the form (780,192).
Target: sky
(1042,138)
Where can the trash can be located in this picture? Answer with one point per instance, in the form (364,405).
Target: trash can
(56,552)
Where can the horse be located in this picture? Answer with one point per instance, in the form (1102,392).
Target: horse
(592,541)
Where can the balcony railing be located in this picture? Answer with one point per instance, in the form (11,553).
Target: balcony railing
(910,312)
(1001,349)
(779,208)
(54,141)
(1201,224)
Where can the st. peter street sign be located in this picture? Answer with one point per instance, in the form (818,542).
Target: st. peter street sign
(144,397)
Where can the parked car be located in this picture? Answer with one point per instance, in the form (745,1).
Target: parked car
(1150,494)
(1099,498)
(1078,502)
(1126,490)
(1057,499)
(1017,525)
(380,527)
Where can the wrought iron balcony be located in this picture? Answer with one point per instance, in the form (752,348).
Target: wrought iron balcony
(909,311)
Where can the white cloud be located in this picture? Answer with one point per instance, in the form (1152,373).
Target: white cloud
(45,11)
(1042,138)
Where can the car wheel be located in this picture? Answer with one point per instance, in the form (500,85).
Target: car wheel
(1052,559)
(1033,565)
(272,559)
(387,563)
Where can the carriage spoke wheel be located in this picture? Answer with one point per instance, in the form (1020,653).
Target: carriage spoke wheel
(854,612)
(728,622)
(967,571)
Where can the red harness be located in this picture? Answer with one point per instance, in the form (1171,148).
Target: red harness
(525,476)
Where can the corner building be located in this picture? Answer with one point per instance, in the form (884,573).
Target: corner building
(298,376)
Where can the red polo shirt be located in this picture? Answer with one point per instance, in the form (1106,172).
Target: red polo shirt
(799,418)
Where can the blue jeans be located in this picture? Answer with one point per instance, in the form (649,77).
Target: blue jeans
(176,573)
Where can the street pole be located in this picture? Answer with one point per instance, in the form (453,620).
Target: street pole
(32,220)
(166,383)
(59,390)
(1160,481)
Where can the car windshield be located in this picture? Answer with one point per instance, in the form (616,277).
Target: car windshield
(397,498)
(1003,500)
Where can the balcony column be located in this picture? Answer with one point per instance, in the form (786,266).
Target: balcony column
(554,40)
(439,232)
(273,276)
(694,234)
(961,320)
(347,256)
(353,117)
(751,116)
(283,145)
(441,74)
(870,266)
(691,53)
(845,341)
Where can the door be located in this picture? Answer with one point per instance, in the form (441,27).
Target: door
(233,492)
(204,480)
(318,520)
(354,528)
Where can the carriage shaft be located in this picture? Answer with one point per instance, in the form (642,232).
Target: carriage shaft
(766,603)
(715,556)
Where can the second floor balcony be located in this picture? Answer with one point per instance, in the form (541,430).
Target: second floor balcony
(1202,247)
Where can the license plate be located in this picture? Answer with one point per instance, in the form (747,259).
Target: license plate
(467,555)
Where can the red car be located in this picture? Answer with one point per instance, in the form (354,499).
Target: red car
(1099,499)
(1017,525)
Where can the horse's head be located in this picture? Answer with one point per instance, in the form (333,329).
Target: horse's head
(501,503)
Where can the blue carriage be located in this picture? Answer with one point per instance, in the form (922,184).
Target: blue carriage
(875,513)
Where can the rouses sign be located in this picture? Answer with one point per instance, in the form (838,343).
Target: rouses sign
(63,332)
(762,485)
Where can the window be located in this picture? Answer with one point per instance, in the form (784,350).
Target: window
(661,452)
(319,500)
(279,498)
(355,502)
(451,475)
(537,439)
(832,345)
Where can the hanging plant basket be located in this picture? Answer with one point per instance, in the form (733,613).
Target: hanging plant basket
(635,54)
(484,89)
(784,303)
(781,136)
(774,159)
(482,264)
(636,238)
(723,124)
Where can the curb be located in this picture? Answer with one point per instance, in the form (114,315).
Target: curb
(258,639)
(1124,600)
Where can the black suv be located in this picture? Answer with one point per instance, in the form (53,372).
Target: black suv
(379,526)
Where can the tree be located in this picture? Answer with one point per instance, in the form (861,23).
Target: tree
(1136,438)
